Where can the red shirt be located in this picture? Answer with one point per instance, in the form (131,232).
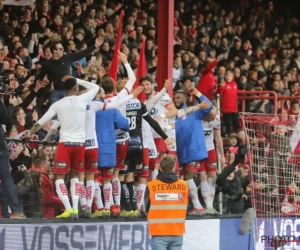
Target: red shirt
(50,201)
(229,97)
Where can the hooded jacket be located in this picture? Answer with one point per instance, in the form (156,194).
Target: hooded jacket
(190,139)
(106,123)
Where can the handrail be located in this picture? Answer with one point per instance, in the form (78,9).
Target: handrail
(244,95)
(30,141)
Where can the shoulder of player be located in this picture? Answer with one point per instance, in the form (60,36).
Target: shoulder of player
(134,104)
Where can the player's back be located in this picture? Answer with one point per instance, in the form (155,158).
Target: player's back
(71,113)
(90,126)
(135,110)
(208,129)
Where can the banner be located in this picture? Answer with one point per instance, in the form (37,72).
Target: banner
(277,229)
(101,236)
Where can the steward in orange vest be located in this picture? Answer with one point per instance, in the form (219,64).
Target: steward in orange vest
(168,200)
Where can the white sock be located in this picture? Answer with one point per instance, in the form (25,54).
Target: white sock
(82,197)
(212,189)
(154,174)
(107,191)
(205,191)
(140,193)
(98,196)
(193,193)
(90,191)
(62,193)
(75,192)
(116,191)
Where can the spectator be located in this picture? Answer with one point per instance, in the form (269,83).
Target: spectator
(59,65)
(228,91)
(50,202)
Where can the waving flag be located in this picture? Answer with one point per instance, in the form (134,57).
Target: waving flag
(19,2)
(141,70)
(113,71)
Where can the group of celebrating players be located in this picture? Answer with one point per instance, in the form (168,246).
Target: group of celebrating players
(121,139)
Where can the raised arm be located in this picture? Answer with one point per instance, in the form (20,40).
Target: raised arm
(96,106)
(156,98)
(131,76)
(91,87)
(72,57)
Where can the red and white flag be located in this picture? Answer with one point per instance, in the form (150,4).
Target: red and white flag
(18,2)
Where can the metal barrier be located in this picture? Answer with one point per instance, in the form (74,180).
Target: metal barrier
(248,95)
(31,141)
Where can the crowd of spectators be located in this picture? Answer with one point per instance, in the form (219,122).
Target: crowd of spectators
(244,46)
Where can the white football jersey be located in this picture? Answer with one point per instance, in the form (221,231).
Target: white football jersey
(148,141)
(160,108)
(90,123)
(208,129)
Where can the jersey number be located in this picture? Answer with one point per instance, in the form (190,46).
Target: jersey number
(207,133)
(132,122)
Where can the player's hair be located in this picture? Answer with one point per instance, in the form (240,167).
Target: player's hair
(81,88)
(107,84)
(167,163)
(146,78)
(70,83)
(181,92)
(120,84)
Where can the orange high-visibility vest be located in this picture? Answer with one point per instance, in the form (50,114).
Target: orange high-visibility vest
(168,207)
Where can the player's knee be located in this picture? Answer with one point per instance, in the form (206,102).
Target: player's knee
(188,175)
(212,175)
(105,180)
(129,177)
(89,176)
(203,176)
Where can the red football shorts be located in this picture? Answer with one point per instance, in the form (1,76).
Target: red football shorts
(69,154)
(161,146)
(153,162)
(146,157)
(210,164)
(121,155)
(145,171)
(163,149)
(91,160)
(107,173)
(193,166)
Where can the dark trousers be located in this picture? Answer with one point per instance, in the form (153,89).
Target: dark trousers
(3,203)
(7,183)
(230,119)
